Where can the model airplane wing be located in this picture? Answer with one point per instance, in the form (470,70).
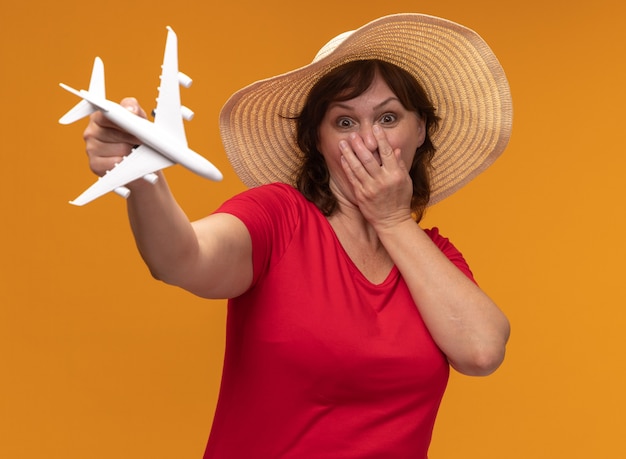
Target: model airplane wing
(141,162)
(169,111)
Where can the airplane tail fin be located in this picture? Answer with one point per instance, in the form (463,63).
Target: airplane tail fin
(96,88)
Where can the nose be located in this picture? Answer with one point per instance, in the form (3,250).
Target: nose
(367,134)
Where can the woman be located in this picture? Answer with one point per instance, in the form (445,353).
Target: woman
(343,314)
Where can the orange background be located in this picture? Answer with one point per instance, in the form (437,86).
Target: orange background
(98,360)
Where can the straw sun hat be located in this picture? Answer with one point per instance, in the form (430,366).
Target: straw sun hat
(455,66)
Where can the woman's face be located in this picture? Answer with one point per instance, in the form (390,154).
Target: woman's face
(404,129)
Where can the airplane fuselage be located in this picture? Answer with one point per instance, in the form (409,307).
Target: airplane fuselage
(149,134)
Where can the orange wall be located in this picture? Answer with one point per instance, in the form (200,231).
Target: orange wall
(100,361)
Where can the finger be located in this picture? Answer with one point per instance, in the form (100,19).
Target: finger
(368,160)
(107,131)
(398,154)
(388,157)
(104,155)
(99,165)
(347,169)
(132,105)
(102,129)
(129,103)
(348,157)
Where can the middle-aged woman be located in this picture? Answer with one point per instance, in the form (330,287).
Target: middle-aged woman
(344,313)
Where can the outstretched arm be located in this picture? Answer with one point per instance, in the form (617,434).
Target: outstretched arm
(210,257)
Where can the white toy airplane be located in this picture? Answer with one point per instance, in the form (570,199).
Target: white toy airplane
(163,142)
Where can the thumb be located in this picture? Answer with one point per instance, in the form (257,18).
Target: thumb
(132,105)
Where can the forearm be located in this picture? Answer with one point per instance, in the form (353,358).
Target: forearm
(463,320)
(163,234)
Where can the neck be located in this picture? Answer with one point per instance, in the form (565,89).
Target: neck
(349,218)
(361,244)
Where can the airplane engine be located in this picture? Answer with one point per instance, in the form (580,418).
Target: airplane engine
(187,113)
(184,80)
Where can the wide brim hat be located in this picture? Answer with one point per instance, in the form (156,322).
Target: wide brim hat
(455,66)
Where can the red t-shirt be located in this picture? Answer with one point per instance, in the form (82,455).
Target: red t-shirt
(321,363)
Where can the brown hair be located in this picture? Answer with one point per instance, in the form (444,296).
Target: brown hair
(347,82)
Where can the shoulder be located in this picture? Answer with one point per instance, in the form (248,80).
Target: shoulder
(270,195)
(271,202)
(272,215)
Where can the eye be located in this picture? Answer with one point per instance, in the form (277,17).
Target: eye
(345,123)
(388,118)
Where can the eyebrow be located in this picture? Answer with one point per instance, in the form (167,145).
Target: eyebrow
(376,107)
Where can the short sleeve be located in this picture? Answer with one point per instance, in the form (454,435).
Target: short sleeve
(450,251)
(270,213)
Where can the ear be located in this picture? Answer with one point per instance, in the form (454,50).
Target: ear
(421,129)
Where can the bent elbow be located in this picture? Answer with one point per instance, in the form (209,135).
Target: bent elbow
(481,362)
(158,275)
(164,276)
(487,354)
(485,365)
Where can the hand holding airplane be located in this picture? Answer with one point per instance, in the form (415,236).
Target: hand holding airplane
(163,142)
